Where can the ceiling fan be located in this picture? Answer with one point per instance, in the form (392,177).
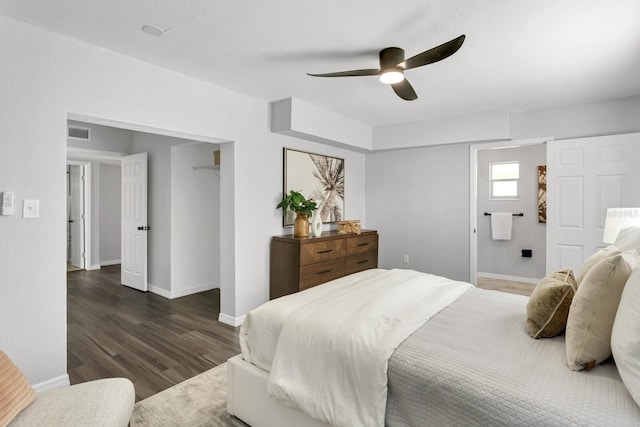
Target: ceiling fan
(393,65)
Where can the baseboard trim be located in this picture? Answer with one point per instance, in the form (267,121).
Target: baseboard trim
(159,291)
(182,292)
(94,267)
(509,278)
(194,290)
(110,262)
(52,384)
(230,320)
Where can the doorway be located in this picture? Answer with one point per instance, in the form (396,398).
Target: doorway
(507,259)
(78,196)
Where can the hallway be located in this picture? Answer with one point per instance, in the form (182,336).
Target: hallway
(114,331)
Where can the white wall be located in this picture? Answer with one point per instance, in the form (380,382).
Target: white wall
(46,78)
(109,210)
(195,220)
(503,257)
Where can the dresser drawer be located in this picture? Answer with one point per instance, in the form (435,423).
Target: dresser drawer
(362,244)
(312,253)
(314,274)
(361,262)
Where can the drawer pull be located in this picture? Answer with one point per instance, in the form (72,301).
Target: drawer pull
(324,271)
(363,262)
(325,251)
(363,244)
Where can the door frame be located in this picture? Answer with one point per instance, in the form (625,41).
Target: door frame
(473,192)
(86,219)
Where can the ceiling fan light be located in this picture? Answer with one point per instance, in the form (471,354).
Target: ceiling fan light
(392,76)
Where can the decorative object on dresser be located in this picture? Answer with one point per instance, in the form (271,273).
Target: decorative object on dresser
(296,202)
(351,226)
(301,263)
(317,176)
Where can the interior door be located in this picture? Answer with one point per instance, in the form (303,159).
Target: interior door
(134,221)
(76,216)
(585,177)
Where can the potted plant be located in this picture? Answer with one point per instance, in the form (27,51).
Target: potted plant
(302,207)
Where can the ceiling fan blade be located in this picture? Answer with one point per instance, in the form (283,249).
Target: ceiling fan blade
(352,73)
(436,54)
(404,90)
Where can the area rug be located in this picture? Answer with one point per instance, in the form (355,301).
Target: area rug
(197,402)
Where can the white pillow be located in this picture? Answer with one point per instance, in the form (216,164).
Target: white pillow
(625,336)
(628,238)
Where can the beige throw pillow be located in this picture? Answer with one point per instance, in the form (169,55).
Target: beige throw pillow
(15,392)
(594,259)
(549,303)
(593,310)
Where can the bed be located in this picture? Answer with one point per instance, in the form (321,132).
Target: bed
(470,361)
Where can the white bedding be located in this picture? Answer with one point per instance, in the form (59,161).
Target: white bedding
(332,352)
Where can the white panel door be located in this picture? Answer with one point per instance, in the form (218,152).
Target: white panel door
(585,177)
(134,221)
(76,216)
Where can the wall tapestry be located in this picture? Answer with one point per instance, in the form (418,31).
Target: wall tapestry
(542,193)
(317,177)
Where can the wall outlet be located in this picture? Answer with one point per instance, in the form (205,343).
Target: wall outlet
(405,259)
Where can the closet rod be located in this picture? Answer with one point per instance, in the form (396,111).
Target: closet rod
(518,214)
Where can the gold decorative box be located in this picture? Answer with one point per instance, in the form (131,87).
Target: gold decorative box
(348,227)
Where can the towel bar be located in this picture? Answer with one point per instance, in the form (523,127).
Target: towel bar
(518,214)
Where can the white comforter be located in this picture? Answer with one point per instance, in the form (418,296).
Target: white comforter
(334,341)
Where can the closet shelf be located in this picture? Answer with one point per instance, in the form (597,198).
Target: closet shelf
(215,167)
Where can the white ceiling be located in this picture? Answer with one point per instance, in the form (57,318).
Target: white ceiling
(518,54)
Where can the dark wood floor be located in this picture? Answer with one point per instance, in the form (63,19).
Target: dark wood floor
(115,331)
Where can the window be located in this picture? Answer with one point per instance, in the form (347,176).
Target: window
(504,180)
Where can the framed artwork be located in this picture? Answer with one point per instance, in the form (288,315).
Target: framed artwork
(542,193)
(318,177)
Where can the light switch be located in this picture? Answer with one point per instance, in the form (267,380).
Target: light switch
(30,208)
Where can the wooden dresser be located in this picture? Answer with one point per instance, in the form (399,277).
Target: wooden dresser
(299,263)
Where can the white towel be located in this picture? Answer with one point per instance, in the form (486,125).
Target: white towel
(501,223)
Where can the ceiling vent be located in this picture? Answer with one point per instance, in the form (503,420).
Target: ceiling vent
(78,133)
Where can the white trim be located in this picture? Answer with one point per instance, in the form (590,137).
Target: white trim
(110,262)
(230,320)
(194,290)
(473,192)
(158,291)
(140,128)
(509,278)
(183,292)
(52,384)
(93,267)
(110,157)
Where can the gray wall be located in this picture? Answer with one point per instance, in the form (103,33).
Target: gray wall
(109,212)
(102,138)
(503,257)
(418,200)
